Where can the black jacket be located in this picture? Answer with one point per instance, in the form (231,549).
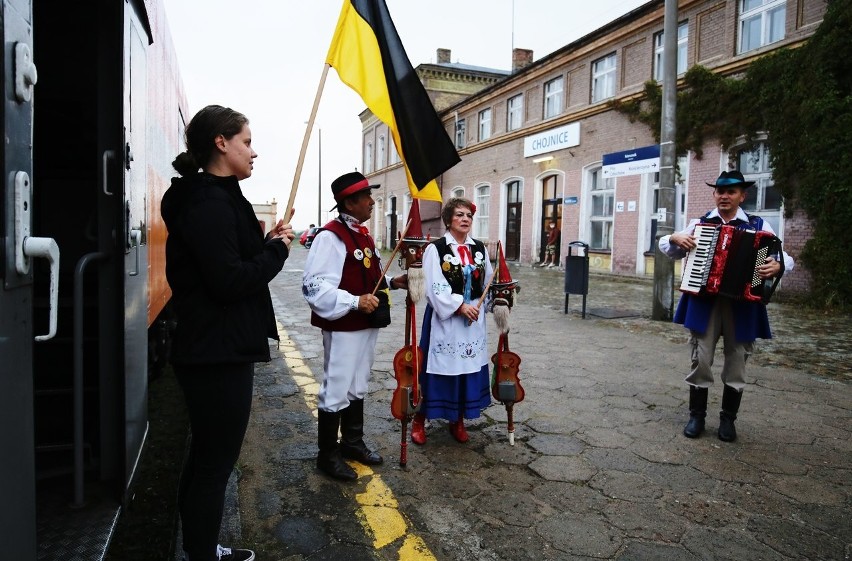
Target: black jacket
(219,267)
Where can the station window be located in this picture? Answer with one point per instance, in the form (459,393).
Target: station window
(682,44)
(483,197)
(761,22)
(381,153)
(603,78)
(764,198)
(602,195)
(485,124)
(553,98)
(460,133)
(394,154)
(407,202)
(515,112)
(368,158)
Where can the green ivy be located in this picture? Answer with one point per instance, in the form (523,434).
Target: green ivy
(803,98)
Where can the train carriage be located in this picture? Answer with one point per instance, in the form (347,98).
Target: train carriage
(93,114)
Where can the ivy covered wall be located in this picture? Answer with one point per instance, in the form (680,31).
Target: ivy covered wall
(803,99)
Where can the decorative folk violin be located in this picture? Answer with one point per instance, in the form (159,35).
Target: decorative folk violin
(505,384)
(406,367)
(408,360)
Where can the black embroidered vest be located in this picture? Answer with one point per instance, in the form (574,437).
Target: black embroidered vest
(453,273)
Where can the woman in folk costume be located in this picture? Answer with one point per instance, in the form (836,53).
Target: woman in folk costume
(455,379)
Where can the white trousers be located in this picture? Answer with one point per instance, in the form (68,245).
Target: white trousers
(347,361)
(721,324)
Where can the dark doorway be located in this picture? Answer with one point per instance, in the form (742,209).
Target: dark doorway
(551,211)
(514,206)
(392,221)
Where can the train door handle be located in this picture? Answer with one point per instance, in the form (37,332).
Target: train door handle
(136,241)
(25,72)
(47,248)
(27,246)
(107,156)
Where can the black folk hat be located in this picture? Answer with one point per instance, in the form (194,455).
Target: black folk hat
(348,184)
(731,179)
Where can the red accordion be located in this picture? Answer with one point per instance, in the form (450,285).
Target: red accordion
(725,260)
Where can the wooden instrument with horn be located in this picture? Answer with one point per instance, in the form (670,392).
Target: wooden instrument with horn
(406,367)
(505,383)
(408,360)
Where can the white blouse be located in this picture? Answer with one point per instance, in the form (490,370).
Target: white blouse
(454,346)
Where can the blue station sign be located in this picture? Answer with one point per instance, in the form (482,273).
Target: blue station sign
(632,162)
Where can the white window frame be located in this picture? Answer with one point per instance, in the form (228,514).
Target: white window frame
(603,77)
(515,112)
(485,124)
(682,45)
(368,158)
(754,165)
(407,199)
(377,221)
(553,97)
(760,23)
(380,155)
(460,133)
(394,154)
(457,192)
(601,188)
(482,196)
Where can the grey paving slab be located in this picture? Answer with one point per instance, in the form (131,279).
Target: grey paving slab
(600,469)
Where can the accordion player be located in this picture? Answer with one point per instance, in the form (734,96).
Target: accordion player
(725,262)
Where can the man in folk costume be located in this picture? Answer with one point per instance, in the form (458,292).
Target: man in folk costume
(341,273)
(738,322)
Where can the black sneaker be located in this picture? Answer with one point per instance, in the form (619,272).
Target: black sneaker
(230,554)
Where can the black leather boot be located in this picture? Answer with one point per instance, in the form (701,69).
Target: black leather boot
(697,412)
(730,405)
(352,445)
(329,460)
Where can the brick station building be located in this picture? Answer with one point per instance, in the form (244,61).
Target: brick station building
(532,140)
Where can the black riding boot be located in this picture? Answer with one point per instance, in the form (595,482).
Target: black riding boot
(697,412)
(730,405)
(352,445)
(329,460)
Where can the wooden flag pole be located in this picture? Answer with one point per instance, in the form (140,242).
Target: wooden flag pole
(305,140)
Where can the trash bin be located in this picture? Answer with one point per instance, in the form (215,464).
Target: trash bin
(577,272)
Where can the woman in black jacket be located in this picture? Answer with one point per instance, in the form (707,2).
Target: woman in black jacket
(218,264)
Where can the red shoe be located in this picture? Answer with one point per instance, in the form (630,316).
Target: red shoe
(458,431)
(418,429)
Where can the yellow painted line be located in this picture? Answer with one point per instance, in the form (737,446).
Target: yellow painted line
(378,510)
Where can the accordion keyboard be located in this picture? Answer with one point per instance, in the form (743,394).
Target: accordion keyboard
(698,261)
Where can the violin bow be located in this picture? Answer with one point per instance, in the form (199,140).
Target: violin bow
(485,290)
(493,276)
(390,259)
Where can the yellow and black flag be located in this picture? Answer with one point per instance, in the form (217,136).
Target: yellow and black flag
(369,57)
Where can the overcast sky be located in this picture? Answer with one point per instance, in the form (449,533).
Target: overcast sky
(264,58)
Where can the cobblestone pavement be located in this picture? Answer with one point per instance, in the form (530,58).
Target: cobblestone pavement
(600,469)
